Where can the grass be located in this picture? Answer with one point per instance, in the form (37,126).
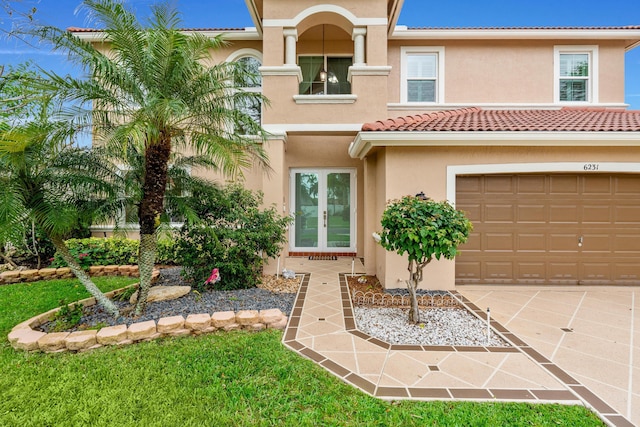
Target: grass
(232,379)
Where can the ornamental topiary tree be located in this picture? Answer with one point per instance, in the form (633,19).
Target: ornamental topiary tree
(424,230)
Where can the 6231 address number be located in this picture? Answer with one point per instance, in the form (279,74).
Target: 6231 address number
(591,166)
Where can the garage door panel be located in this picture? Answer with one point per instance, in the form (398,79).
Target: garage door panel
(499,213)
(629,244)
(499,184)
(563,272)
(595,273)
(470,184)
(473,243)
(531,242)
(593,214)
(626,272)
(563,242)
(472,211)
(531,272)
(597,243)
(499,271)
(498,242)
(564,214)
(532,184)
(527,229)
(627,214)
(627,185)
(596,184)
(563,184)
(470,272)
(531,214)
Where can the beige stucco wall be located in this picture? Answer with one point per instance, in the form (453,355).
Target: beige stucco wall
(291,8)
(411,170)
(515,71)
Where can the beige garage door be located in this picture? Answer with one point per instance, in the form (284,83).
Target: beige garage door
(551,229)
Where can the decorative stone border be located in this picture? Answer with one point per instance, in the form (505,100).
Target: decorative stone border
(21,276)
(24,337)
(360,298)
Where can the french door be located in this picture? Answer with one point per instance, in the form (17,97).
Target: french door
(323,203)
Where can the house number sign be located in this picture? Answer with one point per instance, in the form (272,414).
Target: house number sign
(591,166)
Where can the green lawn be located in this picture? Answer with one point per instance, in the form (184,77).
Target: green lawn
(233,379)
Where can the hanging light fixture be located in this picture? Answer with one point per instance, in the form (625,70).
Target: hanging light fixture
(323,72)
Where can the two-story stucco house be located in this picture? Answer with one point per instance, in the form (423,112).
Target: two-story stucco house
(523,128)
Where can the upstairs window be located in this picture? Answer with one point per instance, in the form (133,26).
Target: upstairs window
(249,81)
(422,74)
(575,71)
(336,83)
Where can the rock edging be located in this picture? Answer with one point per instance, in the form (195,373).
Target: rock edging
(21,276)
(24,337)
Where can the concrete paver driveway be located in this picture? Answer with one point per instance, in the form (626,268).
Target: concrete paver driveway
(592,333)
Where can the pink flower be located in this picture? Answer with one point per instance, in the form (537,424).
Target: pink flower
(83,255)
(214,278)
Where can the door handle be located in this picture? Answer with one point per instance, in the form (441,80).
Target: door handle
(324,216)
(580,241)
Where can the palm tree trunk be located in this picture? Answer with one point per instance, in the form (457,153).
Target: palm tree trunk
(156,161)
(146,261)
(84,278)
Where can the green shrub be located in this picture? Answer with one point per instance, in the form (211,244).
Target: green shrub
(166,251)
(232,234)
(112,251)
(101,251)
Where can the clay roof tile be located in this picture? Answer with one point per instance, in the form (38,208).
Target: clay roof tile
(577,119)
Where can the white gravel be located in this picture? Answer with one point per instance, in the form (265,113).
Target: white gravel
(450,326)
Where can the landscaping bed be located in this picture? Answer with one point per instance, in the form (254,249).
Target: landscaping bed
(270,294)
(383,314)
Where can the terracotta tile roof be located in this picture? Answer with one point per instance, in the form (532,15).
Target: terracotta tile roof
(96,30)
(620,27)
(574,119)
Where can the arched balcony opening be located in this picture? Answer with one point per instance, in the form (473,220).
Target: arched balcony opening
(325,53)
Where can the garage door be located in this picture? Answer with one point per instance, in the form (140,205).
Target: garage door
(550,229)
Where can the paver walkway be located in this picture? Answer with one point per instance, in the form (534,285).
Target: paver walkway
(322,328)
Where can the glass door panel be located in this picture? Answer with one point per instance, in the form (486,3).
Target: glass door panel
(306,210)
(338,210)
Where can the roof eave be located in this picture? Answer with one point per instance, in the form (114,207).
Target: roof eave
(402,33)
(394,13)
(365,141)
(255,15)
(249,33)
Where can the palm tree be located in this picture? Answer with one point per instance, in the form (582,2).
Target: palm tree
(44,178)
(154,90)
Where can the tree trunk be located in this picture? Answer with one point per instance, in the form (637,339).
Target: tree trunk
(412,286)
(8,260)
(156,161)
(414,312)
(146,262)
(84,278)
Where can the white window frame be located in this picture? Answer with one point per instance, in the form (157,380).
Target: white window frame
(405,52)
(257,55)
(592,80)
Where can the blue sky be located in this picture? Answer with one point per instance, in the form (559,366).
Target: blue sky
(460,13)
